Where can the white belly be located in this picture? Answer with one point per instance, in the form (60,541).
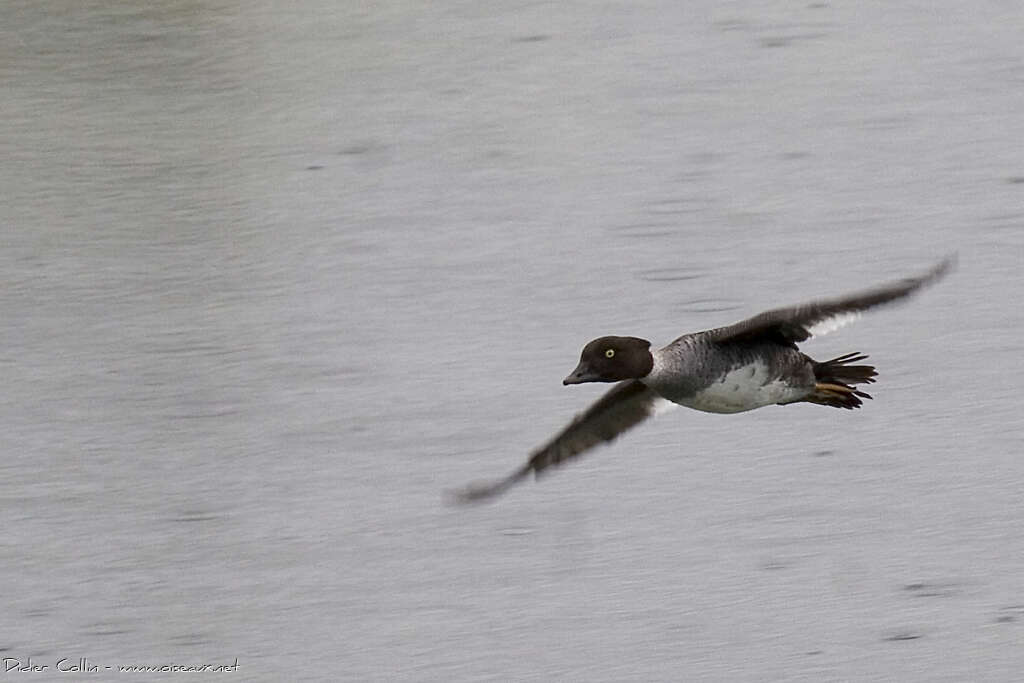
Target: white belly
(744,388)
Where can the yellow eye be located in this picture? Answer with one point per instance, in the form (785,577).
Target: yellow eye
(609,353)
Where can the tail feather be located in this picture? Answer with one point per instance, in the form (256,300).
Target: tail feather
(836,379)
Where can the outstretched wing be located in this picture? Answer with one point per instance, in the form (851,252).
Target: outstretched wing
(798,323)
(626,405)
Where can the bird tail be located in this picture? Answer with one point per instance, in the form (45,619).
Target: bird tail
(834,380)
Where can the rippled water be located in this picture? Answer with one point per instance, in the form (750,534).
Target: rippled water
(275,275)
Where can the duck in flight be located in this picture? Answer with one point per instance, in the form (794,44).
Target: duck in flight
(744,366)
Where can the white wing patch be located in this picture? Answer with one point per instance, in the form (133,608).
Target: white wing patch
(833,323)
(662,406)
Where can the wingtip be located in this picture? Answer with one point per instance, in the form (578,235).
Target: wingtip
(471,494)
(945,266)
(483,491)
(934,274)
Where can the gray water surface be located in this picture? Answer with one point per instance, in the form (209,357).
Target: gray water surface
(276,275)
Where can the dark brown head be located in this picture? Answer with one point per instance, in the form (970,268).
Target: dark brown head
(612,359)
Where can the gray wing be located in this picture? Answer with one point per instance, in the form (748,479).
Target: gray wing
(626,405)
(798,323)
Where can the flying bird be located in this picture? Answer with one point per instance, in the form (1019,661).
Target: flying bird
(747,365)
